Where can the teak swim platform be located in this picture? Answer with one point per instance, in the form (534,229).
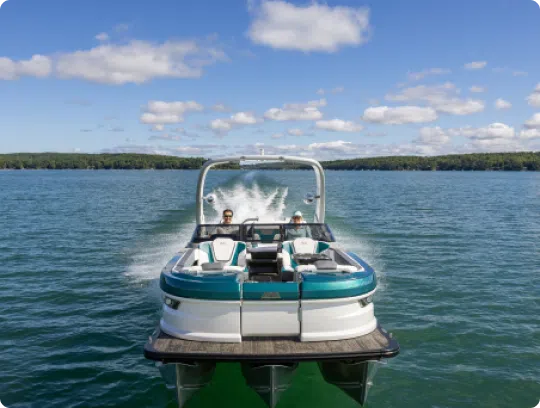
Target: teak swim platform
(269,295)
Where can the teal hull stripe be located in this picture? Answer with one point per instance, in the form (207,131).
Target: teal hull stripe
(218,287)
(331,286)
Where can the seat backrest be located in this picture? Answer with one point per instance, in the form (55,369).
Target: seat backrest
(223,250)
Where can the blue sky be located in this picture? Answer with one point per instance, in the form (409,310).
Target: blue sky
(331,79)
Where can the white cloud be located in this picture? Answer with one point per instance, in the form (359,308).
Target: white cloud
(277,136)
(102,37)
(443,98)
(338,125)
(320,91)
(476,65)
(520,73)
(534,122)
(38,66)
(530,134)
(502,104)
(297,111)
(417,76)
(158,128)
(493,131)
(477,89)
(400,115)
(221,126)
(534,98)
(430,94)
(337,145)
(432,136)
(456,106)
(137,62)
(161,113)
(243,118)
(316,27)
(295,132)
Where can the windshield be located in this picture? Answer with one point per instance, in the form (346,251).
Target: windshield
(265,233)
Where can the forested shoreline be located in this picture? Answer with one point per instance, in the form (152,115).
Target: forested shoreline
(522,161)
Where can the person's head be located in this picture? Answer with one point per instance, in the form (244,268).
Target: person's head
(227,216)
(297,217)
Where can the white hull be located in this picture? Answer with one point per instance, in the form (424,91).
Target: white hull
(230,321)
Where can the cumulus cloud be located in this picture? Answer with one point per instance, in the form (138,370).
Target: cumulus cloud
(443,98)
(477,89)
(311,28)
(221,126)
(137,62)
(39,66)
(476,65)
(534,122)
(529,134)
(400,115)
(297,111)
(502,104)
(338,125)
(417,76)
(158,128)
(493,131)
(161,113)
(432,136)
(534,98)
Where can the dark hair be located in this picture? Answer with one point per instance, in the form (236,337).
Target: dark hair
(231,211)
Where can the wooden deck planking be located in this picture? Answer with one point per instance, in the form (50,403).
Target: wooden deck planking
(163,347)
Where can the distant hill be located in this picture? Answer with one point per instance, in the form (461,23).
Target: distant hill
(522,161)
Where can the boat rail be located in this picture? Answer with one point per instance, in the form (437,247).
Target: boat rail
(319,175)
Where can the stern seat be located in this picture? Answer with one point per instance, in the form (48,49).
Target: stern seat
(219,255)
(310,246)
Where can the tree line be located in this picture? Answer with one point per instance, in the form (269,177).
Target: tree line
(522,161)
(125,161)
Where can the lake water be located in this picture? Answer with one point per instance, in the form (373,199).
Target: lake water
(457,255)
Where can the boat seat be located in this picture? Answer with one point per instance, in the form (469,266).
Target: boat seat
(219,255)
(310,246)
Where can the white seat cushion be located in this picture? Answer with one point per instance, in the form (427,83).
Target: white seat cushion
(223,249)
(304,246)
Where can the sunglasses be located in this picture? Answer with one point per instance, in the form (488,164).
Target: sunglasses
(227,216)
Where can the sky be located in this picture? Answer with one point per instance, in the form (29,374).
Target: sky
(329,80)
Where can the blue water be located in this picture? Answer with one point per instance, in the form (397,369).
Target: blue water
(457,255)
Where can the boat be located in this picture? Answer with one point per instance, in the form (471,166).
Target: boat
(262,295)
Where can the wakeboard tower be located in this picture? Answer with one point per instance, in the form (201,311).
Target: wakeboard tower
(263,297)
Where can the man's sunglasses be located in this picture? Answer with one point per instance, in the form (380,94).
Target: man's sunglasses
(227,216)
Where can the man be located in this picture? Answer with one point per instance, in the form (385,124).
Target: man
(226,222)
(299,230)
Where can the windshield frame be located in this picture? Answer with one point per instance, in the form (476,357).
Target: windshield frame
(244,231)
